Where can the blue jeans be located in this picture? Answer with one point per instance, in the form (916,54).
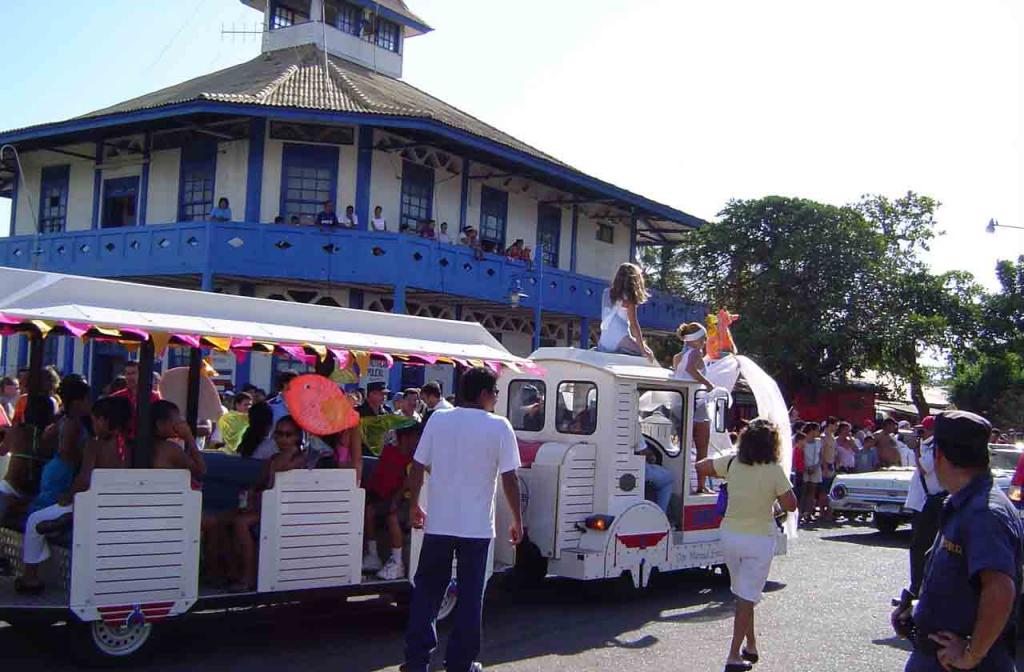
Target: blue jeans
(432,577)
(661,482)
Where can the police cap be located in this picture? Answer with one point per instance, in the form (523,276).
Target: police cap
(962,438)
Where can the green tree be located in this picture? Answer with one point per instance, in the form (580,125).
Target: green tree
(917,311)
(989,377)
(801,274)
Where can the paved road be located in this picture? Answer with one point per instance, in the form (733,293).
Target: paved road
(827,609)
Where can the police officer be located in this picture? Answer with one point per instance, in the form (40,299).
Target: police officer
(965,619)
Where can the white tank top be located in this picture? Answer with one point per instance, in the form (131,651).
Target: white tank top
(688,352)
(614,322)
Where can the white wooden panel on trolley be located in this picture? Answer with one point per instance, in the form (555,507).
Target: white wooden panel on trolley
(311,531)
(575,494)
(135,550)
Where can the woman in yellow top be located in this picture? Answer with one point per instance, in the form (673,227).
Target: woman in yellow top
(756,481)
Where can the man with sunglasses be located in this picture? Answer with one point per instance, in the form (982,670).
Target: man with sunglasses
(465,449)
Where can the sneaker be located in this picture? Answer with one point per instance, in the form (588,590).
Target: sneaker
(392,571)
(371,563)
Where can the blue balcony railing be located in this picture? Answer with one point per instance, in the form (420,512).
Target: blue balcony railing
(345,257)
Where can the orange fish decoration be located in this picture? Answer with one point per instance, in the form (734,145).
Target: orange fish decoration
(720,341)
(319,406)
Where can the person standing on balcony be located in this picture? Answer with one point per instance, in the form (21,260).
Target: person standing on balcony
(378,223)
(620,328)
(350,221)
(327,218)
(427,230)
(222,213)
(442,236)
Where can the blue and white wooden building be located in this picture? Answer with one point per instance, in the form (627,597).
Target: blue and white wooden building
(322,114)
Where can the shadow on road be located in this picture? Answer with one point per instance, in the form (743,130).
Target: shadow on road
(558,618)
(898,539)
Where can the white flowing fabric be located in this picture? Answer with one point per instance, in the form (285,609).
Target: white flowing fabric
(770,404)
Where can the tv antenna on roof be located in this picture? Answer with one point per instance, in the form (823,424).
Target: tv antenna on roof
(241,31)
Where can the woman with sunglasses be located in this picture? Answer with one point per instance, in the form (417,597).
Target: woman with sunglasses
(288,437)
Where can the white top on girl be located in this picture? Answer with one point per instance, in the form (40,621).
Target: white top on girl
(614,323)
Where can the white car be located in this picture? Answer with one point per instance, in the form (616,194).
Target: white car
(884,492)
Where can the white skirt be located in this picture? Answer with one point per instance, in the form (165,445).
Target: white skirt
(749,559)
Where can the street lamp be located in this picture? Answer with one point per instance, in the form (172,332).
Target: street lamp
(993,224)
(515,293)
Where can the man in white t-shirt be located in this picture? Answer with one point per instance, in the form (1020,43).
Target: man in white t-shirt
(465,449)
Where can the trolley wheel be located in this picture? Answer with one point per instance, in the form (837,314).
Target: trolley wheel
(96,644)
(451,596)
(531,567)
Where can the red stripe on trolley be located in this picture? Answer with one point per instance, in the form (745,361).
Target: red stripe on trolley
(641,540)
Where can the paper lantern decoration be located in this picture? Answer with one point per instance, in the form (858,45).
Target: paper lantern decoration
(319,406)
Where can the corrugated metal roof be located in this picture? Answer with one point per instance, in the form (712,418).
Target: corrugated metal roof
(295,78)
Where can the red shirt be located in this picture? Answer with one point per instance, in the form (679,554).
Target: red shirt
(127,394)
(389,475)
(798,459)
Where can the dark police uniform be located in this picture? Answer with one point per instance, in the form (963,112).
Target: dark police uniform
(980,530)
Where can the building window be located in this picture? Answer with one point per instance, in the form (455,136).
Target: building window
(606,233)
(345,16)
(198,167)
(417,195)
(120,202)
(309,176)
(53,199)
(388,35)
(549,230)
(284,14)
(493,217)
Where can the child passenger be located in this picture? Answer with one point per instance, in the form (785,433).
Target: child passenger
(385,495)
(168,430)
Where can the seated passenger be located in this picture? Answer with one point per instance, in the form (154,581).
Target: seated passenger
(72,435)
(290,455)
(656,476)
(385,494)
(168,430)
(257,442)
(24,444)
(620,328)
(111,420)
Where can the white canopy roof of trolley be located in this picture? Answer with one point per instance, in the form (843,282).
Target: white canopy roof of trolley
(53,298)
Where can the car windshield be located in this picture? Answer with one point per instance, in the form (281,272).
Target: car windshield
(1004,459)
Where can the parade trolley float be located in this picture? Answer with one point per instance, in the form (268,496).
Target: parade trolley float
(582,425)
(133,557)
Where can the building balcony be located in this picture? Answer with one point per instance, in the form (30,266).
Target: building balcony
(197,252)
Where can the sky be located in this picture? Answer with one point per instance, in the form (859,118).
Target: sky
(688,102)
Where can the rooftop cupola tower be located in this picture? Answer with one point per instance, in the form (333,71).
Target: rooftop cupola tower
(371,33)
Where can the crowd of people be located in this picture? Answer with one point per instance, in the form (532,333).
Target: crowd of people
(821,450)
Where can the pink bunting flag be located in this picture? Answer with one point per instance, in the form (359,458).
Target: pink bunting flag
(493,365)
(242,343)
(297,352)
(191,341)
(241,356)
(75,329)
(389,361)
(5,319)
(429,359)
(144,335)
(342,358)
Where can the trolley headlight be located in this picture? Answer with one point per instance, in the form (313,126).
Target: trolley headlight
(839,492)
(1015,494)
